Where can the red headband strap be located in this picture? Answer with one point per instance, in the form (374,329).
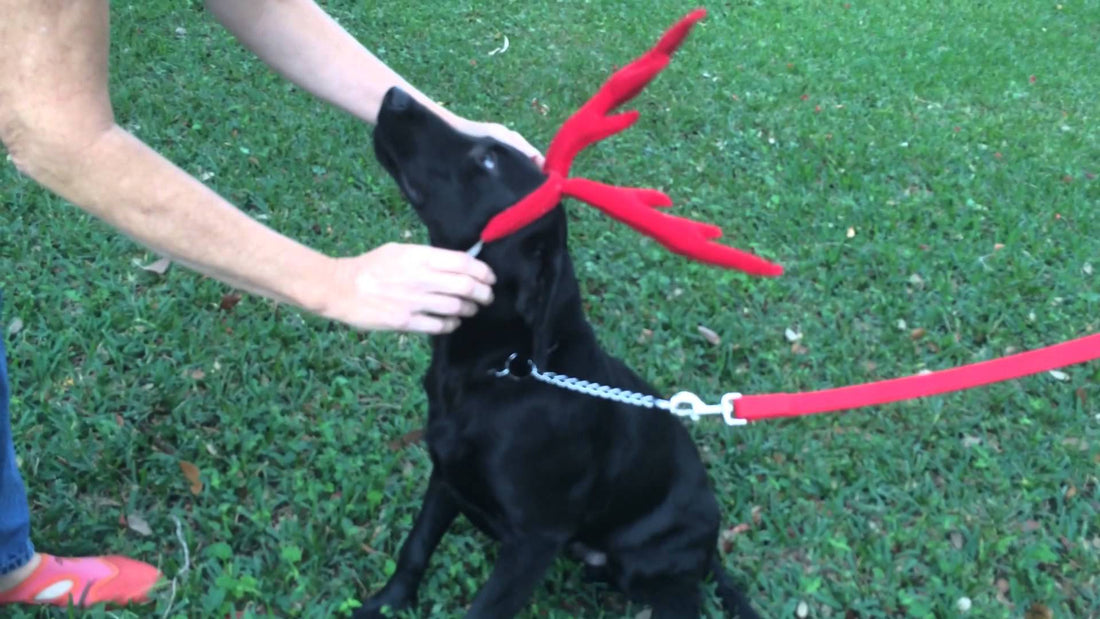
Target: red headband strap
(632,206)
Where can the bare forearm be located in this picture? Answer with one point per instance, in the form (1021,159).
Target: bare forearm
(302,43)
(122,181)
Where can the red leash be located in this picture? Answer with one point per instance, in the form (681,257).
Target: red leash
(695,240)
(768,406)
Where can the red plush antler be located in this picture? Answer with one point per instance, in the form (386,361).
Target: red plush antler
(631,206)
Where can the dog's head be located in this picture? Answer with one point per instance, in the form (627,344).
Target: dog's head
(456,183)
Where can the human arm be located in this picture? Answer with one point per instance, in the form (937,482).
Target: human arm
(305,45)
(57,124)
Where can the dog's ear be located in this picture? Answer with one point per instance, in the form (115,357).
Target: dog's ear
(538,292)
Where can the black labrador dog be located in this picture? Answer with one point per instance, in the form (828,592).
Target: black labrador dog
(541,469)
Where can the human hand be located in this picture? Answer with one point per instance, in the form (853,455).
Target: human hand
(502,133)
(414,288)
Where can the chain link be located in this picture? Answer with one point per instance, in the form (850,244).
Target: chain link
(600,391)
(683,404)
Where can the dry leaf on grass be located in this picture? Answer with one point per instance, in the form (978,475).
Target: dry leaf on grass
(15,327)
(191,472)
(136,523)
(160,267)
(726,538)
(405,440)
(229,301)
(1038,611)
(957,540)
(709,335)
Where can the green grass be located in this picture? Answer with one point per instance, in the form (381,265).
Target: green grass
(916,124)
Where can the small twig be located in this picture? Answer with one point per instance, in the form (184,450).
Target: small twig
(186,564)
(501,49)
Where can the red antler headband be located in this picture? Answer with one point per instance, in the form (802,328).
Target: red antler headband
(631,206)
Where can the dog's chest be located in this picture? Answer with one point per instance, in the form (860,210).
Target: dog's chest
(509,468)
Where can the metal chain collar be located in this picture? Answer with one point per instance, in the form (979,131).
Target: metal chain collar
(682,404)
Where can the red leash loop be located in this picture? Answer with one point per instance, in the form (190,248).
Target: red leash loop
(768,406)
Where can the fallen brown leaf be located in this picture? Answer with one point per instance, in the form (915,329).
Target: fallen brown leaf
(1030,525)
(1038,611)
(405,440)
(229,301)
(726,539)
(917,333)
(191,472)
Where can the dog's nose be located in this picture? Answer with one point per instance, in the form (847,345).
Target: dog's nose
(398,100)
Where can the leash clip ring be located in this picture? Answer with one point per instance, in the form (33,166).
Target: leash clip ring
(506,371)
(687,404)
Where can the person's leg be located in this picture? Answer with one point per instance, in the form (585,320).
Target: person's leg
(16,550)
(27,577)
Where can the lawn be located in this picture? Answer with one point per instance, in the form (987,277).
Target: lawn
(926,171)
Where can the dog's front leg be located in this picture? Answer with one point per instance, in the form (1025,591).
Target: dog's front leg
(437,513)
(520,566)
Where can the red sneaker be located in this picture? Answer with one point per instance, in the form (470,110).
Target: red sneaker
(85,581)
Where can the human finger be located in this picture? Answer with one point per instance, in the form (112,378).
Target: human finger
(445,305)
(461,263)
(459,286)
(431,325)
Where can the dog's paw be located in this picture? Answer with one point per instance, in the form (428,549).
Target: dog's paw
(382,606)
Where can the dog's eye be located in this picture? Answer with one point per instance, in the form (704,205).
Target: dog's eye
(487,161)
